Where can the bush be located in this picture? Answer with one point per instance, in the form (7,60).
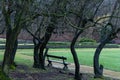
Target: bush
(87,40)
(88,44)
(58,44)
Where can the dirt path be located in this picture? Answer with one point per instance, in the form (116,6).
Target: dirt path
(88,69)
(109,73)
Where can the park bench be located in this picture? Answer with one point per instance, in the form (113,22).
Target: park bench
(52,58)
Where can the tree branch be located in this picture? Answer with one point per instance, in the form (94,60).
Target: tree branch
(32,34)
(2,31)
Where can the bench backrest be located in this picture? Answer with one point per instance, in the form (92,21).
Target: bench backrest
(59,57)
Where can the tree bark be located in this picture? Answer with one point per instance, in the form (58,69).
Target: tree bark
(11,37)
(14,53)
(98,69)
(72,47)
(36,53)
(47,36)
(10,41)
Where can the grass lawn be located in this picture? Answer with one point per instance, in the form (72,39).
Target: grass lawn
(110,57)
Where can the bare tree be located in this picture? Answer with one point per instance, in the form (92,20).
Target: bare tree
(85,12)
(51,13)
(110,29)
(16,13)
(37,35)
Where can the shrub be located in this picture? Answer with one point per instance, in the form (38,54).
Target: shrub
(87,40)
(58,44)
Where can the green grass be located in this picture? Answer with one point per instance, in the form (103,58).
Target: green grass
(20,57)
(110,57)
(1,55)
(24,56)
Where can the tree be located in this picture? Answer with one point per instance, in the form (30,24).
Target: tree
(110,30)
(16,13)
(51,12)
(37,39)
(83,18)
(2,25)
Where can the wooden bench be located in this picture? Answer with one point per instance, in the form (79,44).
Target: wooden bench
(51,58)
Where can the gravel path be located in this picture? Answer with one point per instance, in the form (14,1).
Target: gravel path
(88,69)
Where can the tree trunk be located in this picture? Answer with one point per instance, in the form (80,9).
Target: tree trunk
(72,47)
(45,40)
(47,36)
(10,41)
(11,37)
(41,59)
(14,52)
(36,54)
(98,69)
(46,51)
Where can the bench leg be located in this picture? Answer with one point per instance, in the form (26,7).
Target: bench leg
(49,64)
(65,67)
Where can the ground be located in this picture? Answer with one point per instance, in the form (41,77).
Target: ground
(27,73)
(23,72)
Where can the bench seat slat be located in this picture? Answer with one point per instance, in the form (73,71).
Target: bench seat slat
(57,57)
